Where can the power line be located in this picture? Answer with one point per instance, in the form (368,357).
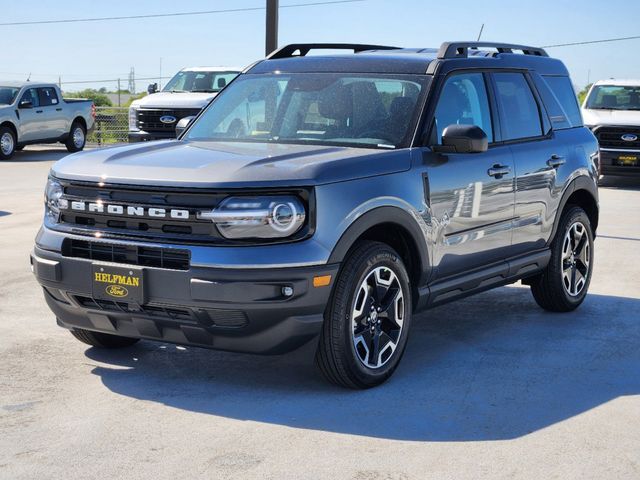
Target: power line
(588,42)
(174,14)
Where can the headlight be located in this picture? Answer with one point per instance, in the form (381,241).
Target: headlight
(257,217)
(53,199)
(133,119)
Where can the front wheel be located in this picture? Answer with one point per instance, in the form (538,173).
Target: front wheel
(563,285)
(367,322)
(7,143)
(77,138)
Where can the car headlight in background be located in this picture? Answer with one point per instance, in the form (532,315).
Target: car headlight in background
(133,119)
(53,200)
(257,217)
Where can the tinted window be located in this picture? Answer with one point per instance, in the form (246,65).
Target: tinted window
(520,117)
(191,81)
(463,101)
(610,97)
(32,96)
(563,90)
(47,97)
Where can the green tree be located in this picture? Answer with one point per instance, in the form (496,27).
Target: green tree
(582,94)
(99,99)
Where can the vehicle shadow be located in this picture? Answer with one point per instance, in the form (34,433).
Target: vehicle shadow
(39,154)
(491,367)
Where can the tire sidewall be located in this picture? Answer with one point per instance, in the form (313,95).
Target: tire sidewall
(382,257)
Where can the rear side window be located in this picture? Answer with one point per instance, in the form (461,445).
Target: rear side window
(519,113)
(47,97)
(563,90)
(463,101)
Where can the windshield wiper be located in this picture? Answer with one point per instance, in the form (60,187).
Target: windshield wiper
(204,90)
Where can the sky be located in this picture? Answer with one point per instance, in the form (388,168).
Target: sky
(107,50)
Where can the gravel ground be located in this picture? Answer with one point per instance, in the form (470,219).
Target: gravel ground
(490,387)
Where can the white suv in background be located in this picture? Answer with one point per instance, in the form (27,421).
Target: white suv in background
(155,116)
(612,111)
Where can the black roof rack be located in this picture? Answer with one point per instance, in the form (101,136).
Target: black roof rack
(461,49)
(304,48)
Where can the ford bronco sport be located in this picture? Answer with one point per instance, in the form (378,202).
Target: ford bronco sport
(332,195)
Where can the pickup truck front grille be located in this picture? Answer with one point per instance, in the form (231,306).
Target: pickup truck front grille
(149,119)
(169,258)
(611,137)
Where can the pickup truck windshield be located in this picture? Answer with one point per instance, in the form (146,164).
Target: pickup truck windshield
(8,95)
(610,97)
(193,81)
(315,108)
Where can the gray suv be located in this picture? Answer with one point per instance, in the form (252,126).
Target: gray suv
(330,196)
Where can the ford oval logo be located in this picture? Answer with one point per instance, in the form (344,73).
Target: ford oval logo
(629,137)
(168,119)
(116,291)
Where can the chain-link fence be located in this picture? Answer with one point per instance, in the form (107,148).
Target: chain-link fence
(111,126)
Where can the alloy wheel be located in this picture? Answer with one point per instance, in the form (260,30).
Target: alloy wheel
(576,259)
(6,143)
(377,317)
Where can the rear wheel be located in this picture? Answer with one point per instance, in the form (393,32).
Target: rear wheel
(77,138)
(366,325)
(563,285)
(102,340)
(7,143)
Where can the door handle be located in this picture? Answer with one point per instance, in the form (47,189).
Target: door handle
(555,161)
(38,111)
(58,109)
(498,171)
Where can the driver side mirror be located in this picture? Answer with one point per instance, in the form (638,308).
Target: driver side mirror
(463,139)
(25,104)
(182,125)
(152,88)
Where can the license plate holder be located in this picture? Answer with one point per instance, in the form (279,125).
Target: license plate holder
(628,160)
(118,284)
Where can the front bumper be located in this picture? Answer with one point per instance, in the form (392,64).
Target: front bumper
(241,310)
(611,163)
(140,136)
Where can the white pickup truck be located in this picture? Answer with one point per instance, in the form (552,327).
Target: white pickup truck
(36,113)
(155,116)
(612,111)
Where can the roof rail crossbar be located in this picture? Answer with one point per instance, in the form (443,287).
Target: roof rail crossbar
(461,49)
(303,48)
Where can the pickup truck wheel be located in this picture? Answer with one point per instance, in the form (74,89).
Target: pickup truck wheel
(367,321)
(7,143)
(102,340)
(563,285)
(77,138)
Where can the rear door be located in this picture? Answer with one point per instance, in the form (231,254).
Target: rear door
(471,195)
(53,117)
(526,128)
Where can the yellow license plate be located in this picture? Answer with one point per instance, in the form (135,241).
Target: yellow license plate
(628,159)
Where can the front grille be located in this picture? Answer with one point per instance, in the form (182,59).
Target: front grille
(202,316)
(149,118)
(611,137)
(169,258)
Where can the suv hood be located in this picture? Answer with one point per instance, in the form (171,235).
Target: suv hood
(228,165)
(627,118)
(174,100)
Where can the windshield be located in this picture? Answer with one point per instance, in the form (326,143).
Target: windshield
(314,108)
(609,97)
(193,81)
(8,95)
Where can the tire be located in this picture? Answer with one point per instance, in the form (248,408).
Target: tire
(345,353)
(20,148)
(563,285)
(77,138)
(7,143)
(102,340)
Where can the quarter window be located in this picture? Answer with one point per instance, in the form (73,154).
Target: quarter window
(519,113)
(463,101)
(563,90)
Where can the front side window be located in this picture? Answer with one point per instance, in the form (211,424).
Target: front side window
(31,95)
(203,81)
(463,101)
(315,108)
(8,95)
(610,97)
(519,113)
(47,97)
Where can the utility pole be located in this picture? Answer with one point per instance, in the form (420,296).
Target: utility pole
(118,92)
(60,82)
(271,41)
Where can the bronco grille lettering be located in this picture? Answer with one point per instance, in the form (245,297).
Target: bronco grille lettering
(129,210)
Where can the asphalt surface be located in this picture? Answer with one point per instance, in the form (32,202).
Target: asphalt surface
(489,387)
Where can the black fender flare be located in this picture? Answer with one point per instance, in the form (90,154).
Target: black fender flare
(582,182)
(385,215)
